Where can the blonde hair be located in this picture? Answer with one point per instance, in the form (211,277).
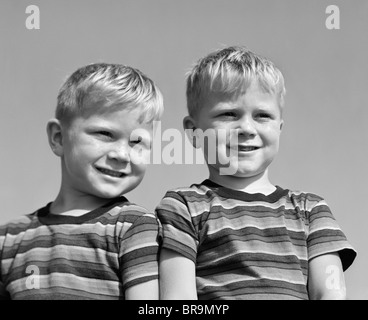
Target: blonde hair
(108,85)
(228,71)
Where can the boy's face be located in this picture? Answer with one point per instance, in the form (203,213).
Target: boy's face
(247,128)
(105,155)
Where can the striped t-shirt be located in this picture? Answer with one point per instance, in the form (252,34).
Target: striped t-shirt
(94,256)
(250,246)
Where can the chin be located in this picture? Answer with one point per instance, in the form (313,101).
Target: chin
(109,194)
(244,172)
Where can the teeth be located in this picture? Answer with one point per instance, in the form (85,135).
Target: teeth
(110,172)
(247,148)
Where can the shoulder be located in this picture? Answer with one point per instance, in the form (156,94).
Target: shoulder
(133,216)
(192,192)
(130,218)
(18,224)
(181,198)
(12,231)
(305,200)
(130,212)
(187,205)
(304,195)
(134,209)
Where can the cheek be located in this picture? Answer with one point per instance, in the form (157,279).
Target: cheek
(82,152)
(139,170)
(139,158)
(208,124)
(272,134)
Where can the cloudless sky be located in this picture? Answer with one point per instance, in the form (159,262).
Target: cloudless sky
(324,143)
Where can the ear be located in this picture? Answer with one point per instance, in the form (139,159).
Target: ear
(189,125)
(55,136)
(281,124)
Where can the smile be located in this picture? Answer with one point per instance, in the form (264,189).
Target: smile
(244,148)
(247,148)
(111,173)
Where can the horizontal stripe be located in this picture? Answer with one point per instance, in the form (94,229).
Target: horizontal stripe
(69,281)
(45,254)
(246,259)
(257,289)
(59,293)
(79,268)
(281,249)
(241,241)
(77,257)
(271,275)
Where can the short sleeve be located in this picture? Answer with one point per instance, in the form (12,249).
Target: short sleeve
(139,251)
(325,235)
(179,233)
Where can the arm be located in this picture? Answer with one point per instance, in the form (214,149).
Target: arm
(138,253)
(143,291)
(326,278)
(177,277)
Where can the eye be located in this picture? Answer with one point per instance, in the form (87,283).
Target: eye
(104,134)
(228,114)
(264,115)
(136,141)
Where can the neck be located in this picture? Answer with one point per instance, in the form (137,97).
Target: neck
(259,183)
(75,205)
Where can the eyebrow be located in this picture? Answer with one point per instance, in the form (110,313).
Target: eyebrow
(224,106)
(100,126)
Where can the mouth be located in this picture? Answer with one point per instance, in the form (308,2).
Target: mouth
(247,148)
(240,148)
(111,173)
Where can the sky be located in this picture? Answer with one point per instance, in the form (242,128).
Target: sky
(321,50)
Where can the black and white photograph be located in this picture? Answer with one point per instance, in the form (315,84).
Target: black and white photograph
(183,150)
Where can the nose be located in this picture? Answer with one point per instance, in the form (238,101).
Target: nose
(119,152)
(246,126)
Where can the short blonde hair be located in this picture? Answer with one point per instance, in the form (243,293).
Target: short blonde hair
(108,85)
(228,71)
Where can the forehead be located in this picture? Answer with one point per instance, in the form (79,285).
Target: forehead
(106,108)
(114,118)
(253,96)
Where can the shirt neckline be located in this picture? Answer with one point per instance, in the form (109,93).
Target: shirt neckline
(244,196)
(46,217)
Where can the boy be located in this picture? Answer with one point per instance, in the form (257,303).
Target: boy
(91,242)
(236,235)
